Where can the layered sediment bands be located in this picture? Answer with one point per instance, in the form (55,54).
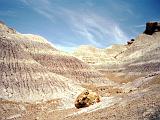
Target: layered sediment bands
(59,62)
(24,79)
(32,69)
(141,46)
(96,56)
(142,55)
(6,29)
(70,67)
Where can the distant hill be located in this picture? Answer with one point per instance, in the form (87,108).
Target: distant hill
(141,55)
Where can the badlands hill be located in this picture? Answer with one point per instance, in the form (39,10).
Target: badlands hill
(144,50)
(39,82)
(96,56)
(30,65)
(141,57)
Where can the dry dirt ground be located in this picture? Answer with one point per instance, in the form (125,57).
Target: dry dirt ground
(144,104)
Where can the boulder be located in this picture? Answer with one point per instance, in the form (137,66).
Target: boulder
(130,42)
(86,98)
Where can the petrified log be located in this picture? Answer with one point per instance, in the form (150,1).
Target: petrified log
(86,98)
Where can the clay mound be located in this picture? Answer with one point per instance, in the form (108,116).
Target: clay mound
(140,56)
(142,45)
(143,55)
(6,29)
(125,63)
(97,56)
(57,61)
(31,66)
(70,67)
(89,54)
(25,79)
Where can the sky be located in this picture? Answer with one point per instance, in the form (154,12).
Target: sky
(71,23)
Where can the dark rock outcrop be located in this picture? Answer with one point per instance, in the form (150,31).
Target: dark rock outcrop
(152,27)
(130,42)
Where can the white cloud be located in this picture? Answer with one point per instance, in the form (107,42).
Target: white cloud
(31,2)
(119,34)
(95,29)
(26,2)
(43,7)
(45,13)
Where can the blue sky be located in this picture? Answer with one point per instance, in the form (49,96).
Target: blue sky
(70,23)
